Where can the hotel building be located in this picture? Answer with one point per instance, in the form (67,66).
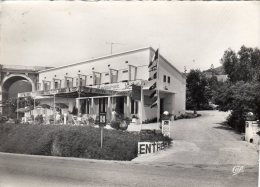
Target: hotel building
(104,84)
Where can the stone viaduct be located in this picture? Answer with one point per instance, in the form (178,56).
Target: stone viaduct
(9,74)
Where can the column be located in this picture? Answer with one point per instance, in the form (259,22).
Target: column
(109,108)
(142,106)
(78,105)
(92,111)
(128,106)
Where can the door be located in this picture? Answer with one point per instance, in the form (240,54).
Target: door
(102,105)
(120,105)
(161,106)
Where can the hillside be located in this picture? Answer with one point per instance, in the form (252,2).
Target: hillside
(218,70)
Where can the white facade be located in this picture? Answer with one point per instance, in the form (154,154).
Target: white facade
(117,72)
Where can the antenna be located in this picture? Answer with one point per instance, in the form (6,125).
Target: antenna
(212,69)
(111,45)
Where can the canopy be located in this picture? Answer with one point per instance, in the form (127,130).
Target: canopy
(61,105)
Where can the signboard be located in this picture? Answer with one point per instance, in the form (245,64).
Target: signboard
(119,86)
(136,92)
(166,127)
(27,94)
(102,119)
(151,147)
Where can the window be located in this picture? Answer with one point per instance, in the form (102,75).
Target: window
(80,82)
(46,86)
(56,85)
(68,83)
(125,71)
(164,78)
(97,80)
(169,79)
(134,107)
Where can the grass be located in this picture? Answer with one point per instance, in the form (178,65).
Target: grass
(73,141)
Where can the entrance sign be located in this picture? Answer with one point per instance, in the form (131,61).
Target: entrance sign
(166,127)
(102,119)
(151,147)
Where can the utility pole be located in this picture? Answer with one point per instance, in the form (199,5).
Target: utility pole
(111,45)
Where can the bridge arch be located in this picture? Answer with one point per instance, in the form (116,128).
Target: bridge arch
(7,83)
(12,78)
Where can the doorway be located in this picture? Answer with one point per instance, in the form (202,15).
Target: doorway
(161,106)
(120,105)
(102,105)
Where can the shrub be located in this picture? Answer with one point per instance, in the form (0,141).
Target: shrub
(152,120)
(73,141)
(115,124)
(39,119)
(3,119)
(187,116)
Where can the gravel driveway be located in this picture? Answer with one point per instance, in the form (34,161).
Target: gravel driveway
(204,142)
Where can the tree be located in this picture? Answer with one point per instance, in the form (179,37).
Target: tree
(242,66)
(22,103)
(240,98)
(241,94)
(197,89)
(230,63)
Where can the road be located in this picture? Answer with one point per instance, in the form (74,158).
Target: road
(203,154)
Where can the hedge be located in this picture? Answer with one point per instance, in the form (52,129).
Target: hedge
(73,141)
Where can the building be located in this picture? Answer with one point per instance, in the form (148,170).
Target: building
(104,84)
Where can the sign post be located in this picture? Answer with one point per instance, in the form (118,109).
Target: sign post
(166,127)
(102,123)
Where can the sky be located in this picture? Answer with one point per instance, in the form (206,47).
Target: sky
(191,34)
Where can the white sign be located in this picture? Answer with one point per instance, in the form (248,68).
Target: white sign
(27,94)
(166,127)
(119,85)
(151,147)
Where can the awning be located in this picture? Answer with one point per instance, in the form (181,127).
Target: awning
(61,105)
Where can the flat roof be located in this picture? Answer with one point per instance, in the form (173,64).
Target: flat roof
(95,59)
(110,56)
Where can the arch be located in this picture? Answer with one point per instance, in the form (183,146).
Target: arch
(17,77)
(5,86)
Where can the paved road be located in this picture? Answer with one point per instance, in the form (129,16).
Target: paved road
(203,154)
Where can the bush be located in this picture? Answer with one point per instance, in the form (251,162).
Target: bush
(3,119)
(115,124)
(152,120)
(39,119)
(187,116)
(73,141)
